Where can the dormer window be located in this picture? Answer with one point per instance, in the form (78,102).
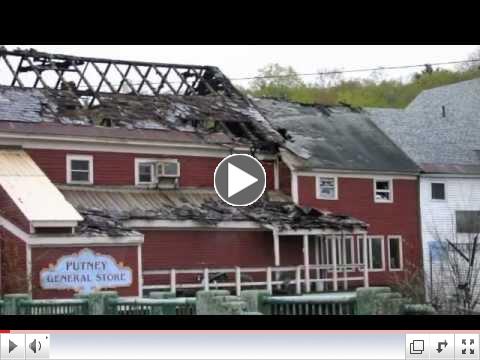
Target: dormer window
(157,172)
(80,169)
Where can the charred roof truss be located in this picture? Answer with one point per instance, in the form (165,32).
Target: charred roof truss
(89,77)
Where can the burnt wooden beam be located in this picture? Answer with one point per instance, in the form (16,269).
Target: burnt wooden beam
(12,70)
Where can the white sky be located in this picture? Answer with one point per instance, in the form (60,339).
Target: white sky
(245,60)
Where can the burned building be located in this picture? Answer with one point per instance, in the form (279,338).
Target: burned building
(117,158)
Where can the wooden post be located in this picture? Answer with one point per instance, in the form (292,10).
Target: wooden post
(238,280)
(276,253)
(269,280)
(317,263)
(365,260)
(334,263)
(298,284)
(344,261)
(206,280)
(276,248)
(173,281)
(306,261)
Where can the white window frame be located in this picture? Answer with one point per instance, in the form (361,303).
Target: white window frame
(89,158)
(401,252)
(390,186)
(317,187)
(139,161)
(370,253)
(444,189)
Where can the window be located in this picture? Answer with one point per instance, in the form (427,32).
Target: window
(376,253)
(395,256)
(383,191)
(327,188)
(162,172)
(79,169)
(146,173)
(438,191)
(468,222)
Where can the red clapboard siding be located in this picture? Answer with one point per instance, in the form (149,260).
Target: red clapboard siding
(10,211)
(355,198)
(13,263)
(44,256)
(111,168)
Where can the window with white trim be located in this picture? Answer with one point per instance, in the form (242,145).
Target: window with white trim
(327,188)
(376,253)
(395,253)
(383,190)
(79,169)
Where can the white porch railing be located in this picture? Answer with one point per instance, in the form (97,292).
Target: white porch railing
(241,278)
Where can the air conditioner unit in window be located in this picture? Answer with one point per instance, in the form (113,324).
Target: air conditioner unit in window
(169,169)
(168,173)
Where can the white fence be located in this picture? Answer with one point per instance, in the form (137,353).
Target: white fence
(241,278)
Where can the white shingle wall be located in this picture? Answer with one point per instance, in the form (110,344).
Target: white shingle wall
(438,222)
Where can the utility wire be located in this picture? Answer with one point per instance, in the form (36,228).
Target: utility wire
(357,70)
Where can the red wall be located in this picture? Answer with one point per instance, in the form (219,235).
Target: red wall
(200,249)
(119,168)
(11,212)
(13,263)
(355,198)
(42,257)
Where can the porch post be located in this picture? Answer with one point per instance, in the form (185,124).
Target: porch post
(276,254)
(344,261)
(365,260)
(334,262)
(317,262)
(276,248)
(306,262)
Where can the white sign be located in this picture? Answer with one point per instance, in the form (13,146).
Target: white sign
(85,273)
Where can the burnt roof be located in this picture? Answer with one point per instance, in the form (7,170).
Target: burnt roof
(337,137)
(52,89)
(202,206)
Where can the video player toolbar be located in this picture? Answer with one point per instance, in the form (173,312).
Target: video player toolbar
(236,345)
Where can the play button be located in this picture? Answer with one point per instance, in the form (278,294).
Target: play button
(239,180)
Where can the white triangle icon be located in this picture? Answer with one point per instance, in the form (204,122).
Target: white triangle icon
(238,180)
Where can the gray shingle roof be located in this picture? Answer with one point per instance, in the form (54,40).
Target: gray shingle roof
(445,144)
(336,137)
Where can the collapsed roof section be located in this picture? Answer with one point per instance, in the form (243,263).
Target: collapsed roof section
(108,208)
(43,88)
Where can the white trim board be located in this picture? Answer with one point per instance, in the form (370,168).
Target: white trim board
(189,224)
(38,240)
(354,175)
(60,142)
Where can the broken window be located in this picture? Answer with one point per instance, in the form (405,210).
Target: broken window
(327,188)
(79,169)
(383,190)
(438,191)
(395,261)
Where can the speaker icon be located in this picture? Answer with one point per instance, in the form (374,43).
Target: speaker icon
(35,346)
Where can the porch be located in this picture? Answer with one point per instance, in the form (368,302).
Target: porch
(331,262)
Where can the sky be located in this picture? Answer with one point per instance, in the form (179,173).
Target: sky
(238,61)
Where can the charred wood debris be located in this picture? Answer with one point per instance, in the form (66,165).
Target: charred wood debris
(282,215)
